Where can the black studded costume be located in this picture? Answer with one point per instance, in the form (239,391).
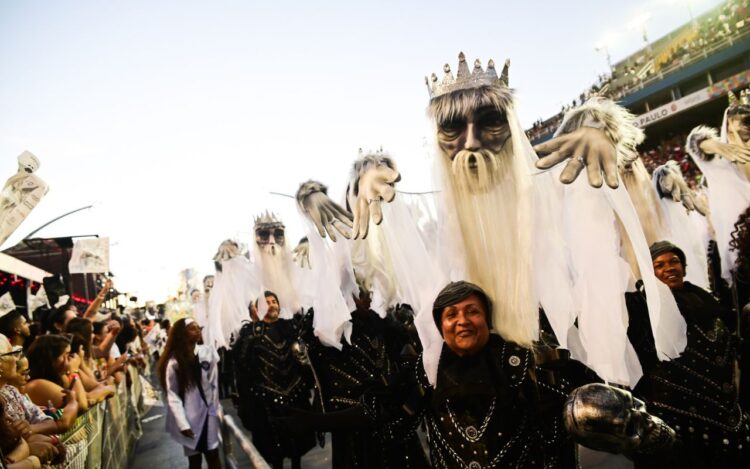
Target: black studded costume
(367,365)
(498,408)
(270,378)
(696,393)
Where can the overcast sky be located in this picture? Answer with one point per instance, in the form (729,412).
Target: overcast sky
(175,118)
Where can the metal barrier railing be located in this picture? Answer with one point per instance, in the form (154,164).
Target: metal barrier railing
(105,436)
(231,433)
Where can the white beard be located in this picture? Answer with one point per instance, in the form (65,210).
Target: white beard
(277,276)
(489,221)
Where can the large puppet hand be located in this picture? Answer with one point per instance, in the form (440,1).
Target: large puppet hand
(671,182)
(734,153)
(587,146)
(302,254)
(375,185)
(326,214)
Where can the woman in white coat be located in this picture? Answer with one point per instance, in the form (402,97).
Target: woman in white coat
(189,377)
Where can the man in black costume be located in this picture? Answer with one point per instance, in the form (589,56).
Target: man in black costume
(269,378)
(695,393)
(367,364)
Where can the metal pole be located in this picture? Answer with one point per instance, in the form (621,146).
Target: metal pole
(55,219)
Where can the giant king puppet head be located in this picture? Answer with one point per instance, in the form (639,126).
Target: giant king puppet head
(485,164)
(275,262)
(736,126)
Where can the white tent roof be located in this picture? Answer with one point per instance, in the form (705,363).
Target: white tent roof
(22,269)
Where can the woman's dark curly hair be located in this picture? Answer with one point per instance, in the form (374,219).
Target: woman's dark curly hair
(42,355)
(740,243)
(83,328)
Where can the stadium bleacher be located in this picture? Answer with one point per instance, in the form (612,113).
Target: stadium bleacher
(675,83)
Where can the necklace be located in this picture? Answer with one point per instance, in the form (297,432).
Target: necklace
(471,433)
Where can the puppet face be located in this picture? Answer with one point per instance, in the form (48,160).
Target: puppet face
(738,129)
(208,283)
(270,237)
(28,162)
(472,142)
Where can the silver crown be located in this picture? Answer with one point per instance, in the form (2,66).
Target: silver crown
(267,219)
(467,79)
(744,98)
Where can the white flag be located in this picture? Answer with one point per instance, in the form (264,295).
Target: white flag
(90,256)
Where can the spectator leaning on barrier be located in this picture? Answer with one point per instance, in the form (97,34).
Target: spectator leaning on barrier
(20,407)
(15,450)
(105,335)
(98,386)
(49,361)
(47,449)
(95,391)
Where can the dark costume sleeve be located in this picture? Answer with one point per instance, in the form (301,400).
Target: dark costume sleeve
(639,330)
(241,351)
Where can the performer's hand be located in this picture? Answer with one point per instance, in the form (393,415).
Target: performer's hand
(302,254)
(375,185)
(327,215)
(585,146)
(188,433)
(734,153)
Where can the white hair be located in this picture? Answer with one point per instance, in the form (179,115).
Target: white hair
(488,220)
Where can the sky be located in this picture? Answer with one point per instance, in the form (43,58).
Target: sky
(176,118)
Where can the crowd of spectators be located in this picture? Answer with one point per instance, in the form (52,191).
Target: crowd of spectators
(542,127)
(726,21)
(59,365)
(673,148)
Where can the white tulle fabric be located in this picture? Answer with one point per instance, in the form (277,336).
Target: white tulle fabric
(235,286)
(334,286)
(684,232)
(200,313)
(728,196)
(667,324)
(419,278)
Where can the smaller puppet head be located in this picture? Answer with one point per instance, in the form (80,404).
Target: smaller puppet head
(269,233)
(208,283)
(27,162)
(738,119)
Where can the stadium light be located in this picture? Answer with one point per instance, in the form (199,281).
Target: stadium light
(602,46)
(689,4)
(639,24)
